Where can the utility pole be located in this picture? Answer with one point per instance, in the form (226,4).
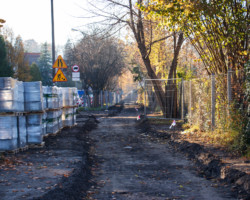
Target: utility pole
(53,36)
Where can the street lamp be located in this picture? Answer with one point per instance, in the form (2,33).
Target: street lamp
(77,30)
(53,36)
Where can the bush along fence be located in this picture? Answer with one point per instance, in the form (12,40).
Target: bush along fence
(216,103)
(99,99)
(29,112)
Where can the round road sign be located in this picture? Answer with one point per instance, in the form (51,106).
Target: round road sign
(75,68)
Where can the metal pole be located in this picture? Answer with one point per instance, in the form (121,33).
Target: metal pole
(145,99)
(213,99)
(101,100)
(229,87)
(190,99)
(53,36)
(106,99)
(182,99)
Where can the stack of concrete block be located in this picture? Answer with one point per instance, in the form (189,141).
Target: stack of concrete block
(50,94)
(34,108)
(53,121)
(11,95)
(8,133)
(34,128)
(30,111)
(69,106)
(12,124)
(33,96)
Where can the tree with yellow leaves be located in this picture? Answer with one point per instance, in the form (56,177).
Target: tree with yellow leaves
(218,29)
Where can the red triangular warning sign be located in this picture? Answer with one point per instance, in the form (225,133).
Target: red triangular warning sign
(59,77)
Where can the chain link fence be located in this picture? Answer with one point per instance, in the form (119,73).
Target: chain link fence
(209,101)
(130,93)
(98,99)
(172,94)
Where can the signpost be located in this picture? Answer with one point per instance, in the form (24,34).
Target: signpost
(75,68)
(59,77)
(59,64)
(75,73)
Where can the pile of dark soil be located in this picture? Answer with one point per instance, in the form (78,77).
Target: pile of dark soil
(75,186)
(59,170)
(207,163)
(115,109)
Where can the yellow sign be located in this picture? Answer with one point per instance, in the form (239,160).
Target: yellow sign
(59,63)
(59,77)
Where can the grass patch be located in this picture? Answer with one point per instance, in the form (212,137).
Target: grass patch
(228,138)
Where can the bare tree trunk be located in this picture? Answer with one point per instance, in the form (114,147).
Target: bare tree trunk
(171,88)
(157,84)
(138,30)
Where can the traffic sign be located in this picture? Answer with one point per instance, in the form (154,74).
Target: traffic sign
(75,68)
(75,76)
(59,63)
(75,79)
(59,77)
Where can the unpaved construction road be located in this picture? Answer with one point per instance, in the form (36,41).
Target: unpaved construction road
(131,164)
(114,160)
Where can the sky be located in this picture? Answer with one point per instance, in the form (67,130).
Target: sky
(31,19)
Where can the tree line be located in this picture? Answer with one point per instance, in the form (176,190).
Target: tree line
(215,33)
(14,62)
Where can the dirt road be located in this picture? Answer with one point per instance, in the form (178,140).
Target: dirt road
(130,164)
(115,161)
(59,170)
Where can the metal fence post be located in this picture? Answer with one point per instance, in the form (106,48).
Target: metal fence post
(131,98)
(190,100)
(145,98)
(111,98)
(229,87)
(101,99)
(182,99)
(106,99)
(213,101)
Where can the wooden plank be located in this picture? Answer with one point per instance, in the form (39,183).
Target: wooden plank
(35,146)
(75,106)
(12,113)
(35,112)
